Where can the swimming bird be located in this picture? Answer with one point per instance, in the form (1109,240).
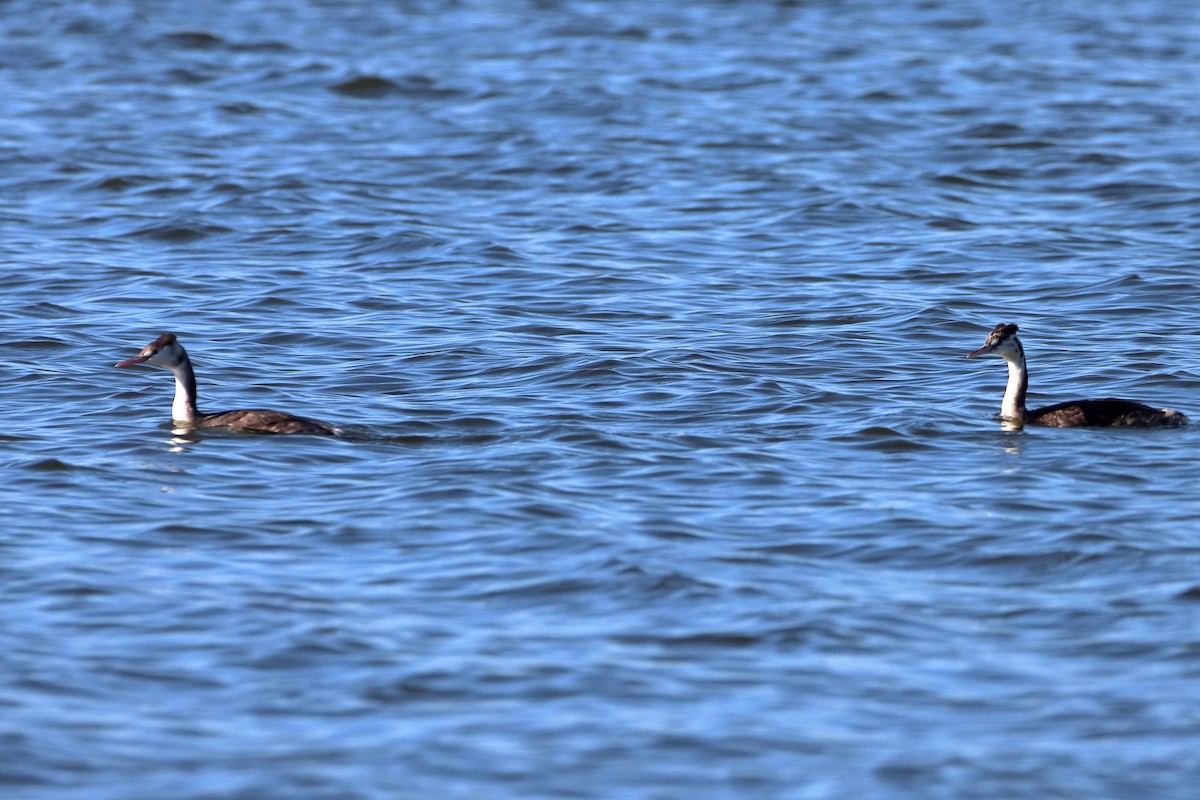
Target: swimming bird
(1104,412)
(168,353)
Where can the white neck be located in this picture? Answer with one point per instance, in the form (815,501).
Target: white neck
(183,408)
(1013,406)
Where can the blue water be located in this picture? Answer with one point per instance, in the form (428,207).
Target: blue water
(667,475)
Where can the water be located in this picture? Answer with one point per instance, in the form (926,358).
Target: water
(669,477)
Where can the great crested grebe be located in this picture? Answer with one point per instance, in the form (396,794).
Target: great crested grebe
(168,353)
(1104,412)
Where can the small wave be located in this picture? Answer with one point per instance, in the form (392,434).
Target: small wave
(120,183)
(192,40)
(178,233)
(374,87)
(994,130)
(395,243)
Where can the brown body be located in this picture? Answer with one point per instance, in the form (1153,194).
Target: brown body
(264,421)
(168,353)
(1105,412)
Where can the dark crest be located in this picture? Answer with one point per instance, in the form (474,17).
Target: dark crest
(1002,332)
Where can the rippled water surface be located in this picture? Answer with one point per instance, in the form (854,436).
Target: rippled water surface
(667,475)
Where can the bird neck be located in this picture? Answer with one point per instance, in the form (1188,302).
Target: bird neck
(183,409)
(1013,406)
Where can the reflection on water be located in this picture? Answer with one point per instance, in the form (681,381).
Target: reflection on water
(181,436)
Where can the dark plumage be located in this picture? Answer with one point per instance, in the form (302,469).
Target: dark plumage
(1102,412)
(265,421)
(1105,411)
(168,353)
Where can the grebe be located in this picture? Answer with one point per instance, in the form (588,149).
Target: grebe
(1108,411)
(168,353)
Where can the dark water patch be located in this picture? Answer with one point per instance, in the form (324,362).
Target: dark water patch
(1130,190)
(951,224)
(176,233)
(47,310)
(54,465)
(994,130)
(549,588)
(972,181)
(880,96)
(1102,159)
(886,440)
(396,244)
(184,532)
(374,87)
(702,641)
(243,108)
(122,183)
(1046,561)
(190,77)
(192,40)
(367,87)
